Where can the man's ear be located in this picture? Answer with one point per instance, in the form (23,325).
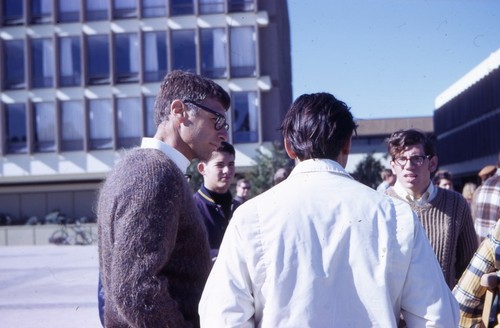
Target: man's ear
(433,163)
(289,150)
(178,109)
(201,167)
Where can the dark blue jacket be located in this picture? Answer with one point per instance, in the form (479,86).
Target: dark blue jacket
(213,215)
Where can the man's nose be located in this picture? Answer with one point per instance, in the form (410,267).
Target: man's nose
(223,135)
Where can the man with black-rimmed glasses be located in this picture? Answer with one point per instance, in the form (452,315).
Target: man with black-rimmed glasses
(443,213)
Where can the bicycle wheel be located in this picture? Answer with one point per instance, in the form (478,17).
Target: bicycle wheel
(59,237)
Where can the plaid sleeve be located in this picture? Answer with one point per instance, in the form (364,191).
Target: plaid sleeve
(469,292)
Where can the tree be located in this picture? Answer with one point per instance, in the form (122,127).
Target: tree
(368,171)
(268,161)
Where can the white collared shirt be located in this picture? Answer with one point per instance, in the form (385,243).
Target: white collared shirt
(427,196)
(180,160)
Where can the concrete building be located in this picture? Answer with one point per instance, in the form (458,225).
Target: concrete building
(467,121)
(79,80)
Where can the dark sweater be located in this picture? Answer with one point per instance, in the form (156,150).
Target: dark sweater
(448,224)
(153,248)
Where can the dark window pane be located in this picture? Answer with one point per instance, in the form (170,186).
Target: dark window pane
(12,12)
(181,7)
(100,124)
(45,127)
(16,128)
(213,53)
(129,112)
(68,11)
(150,124)
(211,6)
(41,11)
(245,117)
(153,8)
(98,59)
(126,58)
(240,5)
(155,56)
(184,50)
(42,63)
(13,65)
(70,68)
(72,125)
(96,10)
(124,8)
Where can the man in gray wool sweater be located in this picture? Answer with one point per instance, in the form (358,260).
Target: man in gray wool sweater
(153,249)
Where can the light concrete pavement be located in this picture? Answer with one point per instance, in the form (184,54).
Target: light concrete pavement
(48,286)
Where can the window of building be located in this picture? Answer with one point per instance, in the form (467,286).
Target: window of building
(240,5)
(184,50)
(96,10)
(211,6)
(126,57)
(150,120)
(72,129)
(45,128)
(12,11)
(68,11)
(129,118)
(243,56)
(101,124)
(40,11)
(15,118)
(181,7)
(245,117)
(124,9)
(155,56)
(153,8)
(70,67)
(13,64)
(98,59)
(42,63)
(213,53)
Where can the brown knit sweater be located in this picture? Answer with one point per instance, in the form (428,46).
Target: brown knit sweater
(450,229)
(153,248)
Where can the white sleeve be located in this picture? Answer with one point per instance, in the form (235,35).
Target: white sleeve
(423,306)
(227,300)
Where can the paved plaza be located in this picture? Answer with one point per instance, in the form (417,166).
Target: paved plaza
(48,286)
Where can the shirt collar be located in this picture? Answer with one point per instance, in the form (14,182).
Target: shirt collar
(320,164)
(427,196)
(180,160)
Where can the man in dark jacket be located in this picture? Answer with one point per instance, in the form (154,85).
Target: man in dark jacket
(214,199)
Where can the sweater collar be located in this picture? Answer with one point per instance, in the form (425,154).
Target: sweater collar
(180,160)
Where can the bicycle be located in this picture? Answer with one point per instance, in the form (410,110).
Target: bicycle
(74,235)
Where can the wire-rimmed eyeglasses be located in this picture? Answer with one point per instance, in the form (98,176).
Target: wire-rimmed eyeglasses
(220,121)
(416,160)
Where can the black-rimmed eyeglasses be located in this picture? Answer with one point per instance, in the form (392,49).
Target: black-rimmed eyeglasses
(220,121)
(416,160)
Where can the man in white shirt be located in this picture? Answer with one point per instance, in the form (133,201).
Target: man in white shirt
(322,250)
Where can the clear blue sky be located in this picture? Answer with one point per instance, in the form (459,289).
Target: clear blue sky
(389,58)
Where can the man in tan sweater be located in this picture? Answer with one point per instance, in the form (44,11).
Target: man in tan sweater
(443,213)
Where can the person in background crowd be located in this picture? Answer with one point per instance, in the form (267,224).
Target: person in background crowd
(487,172)
(320,249)
(214,199)
(443,179)
(242,189)
(153,250)
(486,205)
(280,175)
(469,292)
(388,180)
(443,213)
(468,192)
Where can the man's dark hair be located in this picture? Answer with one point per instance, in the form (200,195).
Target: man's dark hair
(226,147)
(184,85)
(402,139)
(318,126)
